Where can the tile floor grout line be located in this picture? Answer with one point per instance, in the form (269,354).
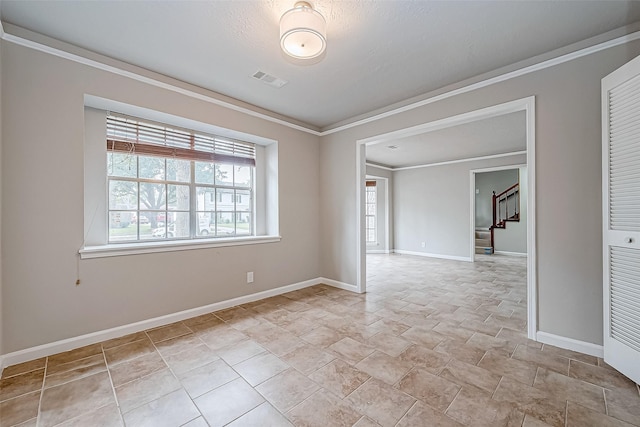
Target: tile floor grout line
(44,377)
(320,388)
(21,373)
(175,376)
(482,358)
(116,346)
(514,351)
(497,387)
(453,400)
(536,375)
(606,404)
(406,412)
(20,395)
(359,387)
(113,388)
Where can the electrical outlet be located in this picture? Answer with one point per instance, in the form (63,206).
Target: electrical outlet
(250,277)
(423,244)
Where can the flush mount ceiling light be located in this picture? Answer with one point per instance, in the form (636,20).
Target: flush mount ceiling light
(303,33)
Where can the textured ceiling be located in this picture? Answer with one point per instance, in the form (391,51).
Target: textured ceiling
(497,135)
(379,52)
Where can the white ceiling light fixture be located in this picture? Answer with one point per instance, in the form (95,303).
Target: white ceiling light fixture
(303,32)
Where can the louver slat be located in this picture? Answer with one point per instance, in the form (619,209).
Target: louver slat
(624,157)
(624,288)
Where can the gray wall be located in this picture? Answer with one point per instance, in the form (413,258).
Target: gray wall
(486,184)
(42,200)
(433,205)
(568,180)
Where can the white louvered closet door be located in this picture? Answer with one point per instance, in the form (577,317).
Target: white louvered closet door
(621,218)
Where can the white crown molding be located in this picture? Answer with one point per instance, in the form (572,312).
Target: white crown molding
(451,162)
(148,80)
(468,88)
(493,80)
(373,165)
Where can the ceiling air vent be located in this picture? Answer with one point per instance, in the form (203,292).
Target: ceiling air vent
(269,79)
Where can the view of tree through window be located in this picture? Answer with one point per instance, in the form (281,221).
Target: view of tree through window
(156,198)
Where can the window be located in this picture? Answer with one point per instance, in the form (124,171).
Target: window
(370,212)
(163,183)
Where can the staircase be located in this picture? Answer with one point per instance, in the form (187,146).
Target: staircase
(506,207)
(483,242)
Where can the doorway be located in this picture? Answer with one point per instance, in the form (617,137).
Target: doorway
(526,105)
(500,226)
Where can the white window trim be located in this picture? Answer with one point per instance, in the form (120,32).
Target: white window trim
(266,225)
(120,249)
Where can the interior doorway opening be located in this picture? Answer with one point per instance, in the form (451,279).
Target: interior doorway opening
(526,105)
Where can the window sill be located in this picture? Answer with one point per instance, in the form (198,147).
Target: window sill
(122,249)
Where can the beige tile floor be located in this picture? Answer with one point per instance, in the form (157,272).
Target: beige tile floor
(433,343)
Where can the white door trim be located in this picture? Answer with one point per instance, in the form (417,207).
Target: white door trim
(525,104)
(472,201)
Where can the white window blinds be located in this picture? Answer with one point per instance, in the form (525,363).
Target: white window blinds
(128,134)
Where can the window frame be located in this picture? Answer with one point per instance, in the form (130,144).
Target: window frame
(145,139)
(371,187)
(95,244)
(193,212)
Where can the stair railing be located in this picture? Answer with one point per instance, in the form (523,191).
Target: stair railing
(502,211)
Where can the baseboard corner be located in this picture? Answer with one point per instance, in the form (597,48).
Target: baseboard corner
(584,347)
(507,253)
(338,284)
(430,255)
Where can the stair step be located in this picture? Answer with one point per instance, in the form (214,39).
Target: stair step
(487,250)
(483,242)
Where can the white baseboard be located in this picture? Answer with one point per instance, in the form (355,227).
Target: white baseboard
(570,344)
(378,251)
(520,254)
(32,353)
(425,254)
(339,285)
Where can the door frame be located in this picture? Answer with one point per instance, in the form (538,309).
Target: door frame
(472,201)
(524,104)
